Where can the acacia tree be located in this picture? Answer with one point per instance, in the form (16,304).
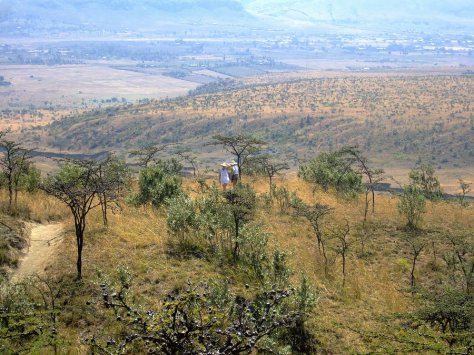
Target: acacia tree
(241,146)
(14,163)
(194,321)
(148,154)
(462,258)
(372,176)
(189,158)
(315,214)
(412,205)
(342,236)
(425,180)
(113,176)
(242,202)
(79,184)
(416,243)
(271,168)
(465,189)
(334,170)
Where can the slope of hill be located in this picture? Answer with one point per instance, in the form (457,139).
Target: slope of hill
(395,117)
(365,305)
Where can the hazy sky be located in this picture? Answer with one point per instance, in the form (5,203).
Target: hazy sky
(295,13)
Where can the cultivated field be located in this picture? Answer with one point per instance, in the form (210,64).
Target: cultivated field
(39,94)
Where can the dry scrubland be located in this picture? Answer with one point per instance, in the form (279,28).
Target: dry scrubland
(353,319)
(395,119)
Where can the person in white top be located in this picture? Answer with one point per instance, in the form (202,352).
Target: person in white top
(224,176)
(235,173)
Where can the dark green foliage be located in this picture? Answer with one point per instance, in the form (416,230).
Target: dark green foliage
(302,341)
(424,179)
(451,312)
(331,170)
(253,250)
(215,222)
(184,226)
(241,203)
(460,259)
(201,227)
(30,180)
(371,176)
(15,166)
(206,228)
(157,183)
(412,205)
(29,316)
(170,166)
(197,320)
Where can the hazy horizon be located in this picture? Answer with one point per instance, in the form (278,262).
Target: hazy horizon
(299,15)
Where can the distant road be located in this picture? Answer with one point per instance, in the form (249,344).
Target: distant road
(78,156)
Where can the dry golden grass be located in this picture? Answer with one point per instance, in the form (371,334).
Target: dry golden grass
(394,119)
(37,207)
(375,287)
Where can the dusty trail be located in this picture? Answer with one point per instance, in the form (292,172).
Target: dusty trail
(44,241)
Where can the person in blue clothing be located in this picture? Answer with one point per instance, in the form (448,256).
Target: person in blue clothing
(224,176)
(235,173)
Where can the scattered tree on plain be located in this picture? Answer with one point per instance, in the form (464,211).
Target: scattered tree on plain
(332,170)
(82,186)
(424,179)
(148,154)
(412,205)
(372,176)
(16,167)
(241,146)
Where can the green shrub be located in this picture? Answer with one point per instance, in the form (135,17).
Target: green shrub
(195,320)
(331,170)
(424,179)
(156,184)
(412,205)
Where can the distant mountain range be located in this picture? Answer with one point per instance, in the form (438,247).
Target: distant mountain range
(20,16)
(435,13)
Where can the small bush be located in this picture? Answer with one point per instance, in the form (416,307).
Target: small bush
(412,206)
(156,184)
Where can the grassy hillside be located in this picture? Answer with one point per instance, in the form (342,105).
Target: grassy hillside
(392,118)
(372,311)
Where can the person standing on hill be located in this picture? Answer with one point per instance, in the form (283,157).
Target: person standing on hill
(224,176)
(235,173)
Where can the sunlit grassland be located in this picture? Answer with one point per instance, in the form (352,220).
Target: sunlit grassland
(376,286)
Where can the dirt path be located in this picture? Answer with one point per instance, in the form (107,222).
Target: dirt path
(44,241)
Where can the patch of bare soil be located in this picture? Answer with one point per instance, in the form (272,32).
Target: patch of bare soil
(44,242)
